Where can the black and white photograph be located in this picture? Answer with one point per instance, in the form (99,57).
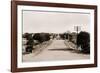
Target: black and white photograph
(55,35)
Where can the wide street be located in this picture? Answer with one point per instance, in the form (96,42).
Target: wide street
(57,50)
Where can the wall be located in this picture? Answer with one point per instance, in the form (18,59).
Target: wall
(5,18)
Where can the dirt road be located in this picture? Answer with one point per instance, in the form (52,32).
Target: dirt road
(55,51)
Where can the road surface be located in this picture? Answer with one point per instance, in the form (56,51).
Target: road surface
(55,51)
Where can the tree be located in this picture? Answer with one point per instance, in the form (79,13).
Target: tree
(64,36)
(28,36)
(41,37)
(30,41)
(38,37)
(83,40)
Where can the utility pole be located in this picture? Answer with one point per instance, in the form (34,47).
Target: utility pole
(77,29)
(68,32)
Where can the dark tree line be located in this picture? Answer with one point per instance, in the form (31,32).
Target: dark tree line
(35,39)
(82,39)
(41,37)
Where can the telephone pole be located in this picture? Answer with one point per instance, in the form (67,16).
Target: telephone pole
(77,29)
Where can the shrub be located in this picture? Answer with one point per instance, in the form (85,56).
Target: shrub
(29,48)
(83,40)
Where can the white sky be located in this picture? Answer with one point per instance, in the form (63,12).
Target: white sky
(56,22)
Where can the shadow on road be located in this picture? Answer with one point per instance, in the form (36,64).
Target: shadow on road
(67,49)
(62,49)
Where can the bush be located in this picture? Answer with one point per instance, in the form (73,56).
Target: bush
(83,40)
(29,48)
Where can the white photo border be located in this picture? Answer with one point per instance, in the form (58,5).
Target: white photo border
(21,64)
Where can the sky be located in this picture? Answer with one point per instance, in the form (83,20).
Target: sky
(54,22)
